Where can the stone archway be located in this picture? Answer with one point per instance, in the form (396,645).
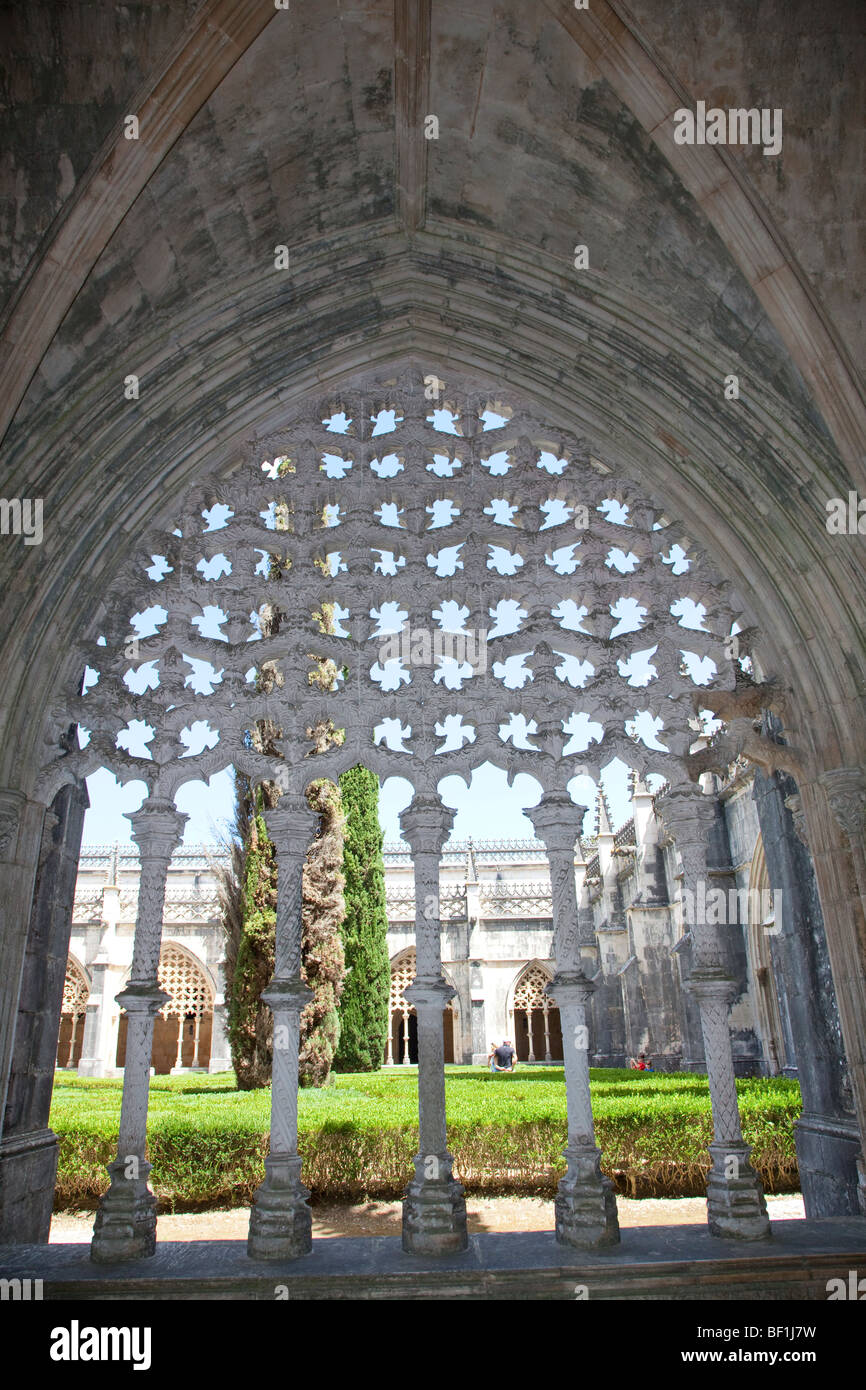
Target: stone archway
(537,1027)
(76,992)
(445,580)
(184,1025)
(402,1046)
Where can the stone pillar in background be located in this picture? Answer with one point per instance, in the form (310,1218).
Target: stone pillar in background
(28,1150)
(586,1215)
(102,1020)
(281,1225)
(220,1050)
(125,1226)
(735,1198)
(827,1137)
(20,843)
(841,880)
(434,1212)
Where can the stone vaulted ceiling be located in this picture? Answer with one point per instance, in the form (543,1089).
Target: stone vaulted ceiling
(304,128)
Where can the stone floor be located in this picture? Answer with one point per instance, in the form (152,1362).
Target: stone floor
(383,1218)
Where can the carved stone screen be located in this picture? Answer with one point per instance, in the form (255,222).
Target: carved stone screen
(478,586)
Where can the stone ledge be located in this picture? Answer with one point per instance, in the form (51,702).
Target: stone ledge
(662,1262)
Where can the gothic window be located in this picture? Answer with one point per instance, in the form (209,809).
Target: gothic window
(537,1027)
(402,1046)
(76,992)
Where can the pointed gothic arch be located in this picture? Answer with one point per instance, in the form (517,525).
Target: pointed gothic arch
(402,1044)
(76,992)
(184,1025)
(536,1023)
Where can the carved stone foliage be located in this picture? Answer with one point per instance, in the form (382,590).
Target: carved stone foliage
(476,584)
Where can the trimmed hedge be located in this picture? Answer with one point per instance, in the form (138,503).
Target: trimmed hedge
(207,1141)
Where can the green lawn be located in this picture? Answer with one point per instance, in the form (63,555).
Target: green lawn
(207,1141)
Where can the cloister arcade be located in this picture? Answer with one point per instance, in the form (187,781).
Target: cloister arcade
(597,630)
(309,382)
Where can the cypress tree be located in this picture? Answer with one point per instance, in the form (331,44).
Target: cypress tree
(364,1005)
(249,903)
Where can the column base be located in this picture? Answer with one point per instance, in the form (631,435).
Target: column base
(434,1214)
(735,1204)
(828,1147)
(28,1171)
(125,1225)
(585,1205)
(281,1223)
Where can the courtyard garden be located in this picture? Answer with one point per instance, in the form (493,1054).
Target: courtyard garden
(207,1141)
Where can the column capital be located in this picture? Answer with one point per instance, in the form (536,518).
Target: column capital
(426,823)
(432,994)
(290,995)
(144,998)
(557,821)
(687,814)
(846,793)
(292,825)
(712,985)
(157,828)
(570,987)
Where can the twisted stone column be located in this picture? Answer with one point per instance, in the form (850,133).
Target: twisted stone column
(125,1226)
(585,1206)
(735,1198)
(280,1220)
(434,1212)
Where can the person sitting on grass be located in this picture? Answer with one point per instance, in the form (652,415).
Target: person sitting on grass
(491,1057)
(641,1064)
(503,1057)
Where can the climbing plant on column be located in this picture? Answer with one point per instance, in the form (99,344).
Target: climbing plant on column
(364,1005)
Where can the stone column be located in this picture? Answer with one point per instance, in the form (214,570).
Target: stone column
(828,1140)
(585,1206)
(735,1198)
(125,1226)
(28,1150)
(434,1212)
(281,1225)
(842,887)
(220,1050)
(20,842)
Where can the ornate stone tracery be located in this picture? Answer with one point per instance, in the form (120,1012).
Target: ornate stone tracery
(487,524)
(418,586)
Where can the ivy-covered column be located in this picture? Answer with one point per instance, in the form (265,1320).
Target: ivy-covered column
(281,1225)
(434,1212)
(125,1226)
(585,1206)
(735,1198)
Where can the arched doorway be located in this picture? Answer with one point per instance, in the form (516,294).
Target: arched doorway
(402,1046)
(76,991)
(537,1026)
(182,1033)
